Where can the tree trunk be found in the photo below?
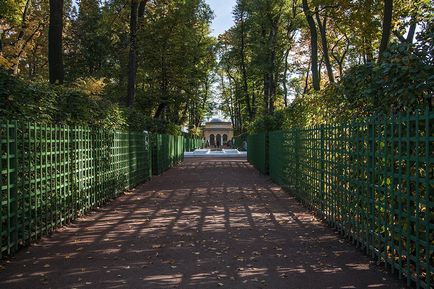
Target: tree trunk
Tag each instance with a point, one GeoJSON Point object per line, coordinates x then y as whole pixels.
{"type": "Point", "coordinates": [132, 58]}
{"type": "Point", "coordinates": [23, 21]}
{"type": "Point", "coordinates": [411, 32]}
{"type": "Point", "coordinates": [340, 59]}
{"type": "Point", "coordinates": [285, 76]}
{"type": "Point", "coordinates": [410, 36]}
{"type": "Point", "coordinates": [387, 27]}
{"type": "Point", "coordinates": [325, 50]}
{"type": "Point", "coordinates": [266, 92]}
{"type": "Point", "coordinates": [55, 47]}
{"type": "Point", "coordinates": [1, 44]}
{"type": "Point", "coordinates": [141, 12]}
{"type": "Point", "coordinates": [160, 110]}
{"type": "Point", "coordinates": [20, 37]}
{"type": "Point", "coordinates": [368, 39]}
{"type": "Point", "coordinates": [23, 48]}
{"type": "Point", "coordinates": [306, 82]}
{"type": "Point", "coordinates": [313, 46]}
{"type": "Point", "coordinates": [272, 65]}
{"type": "Point", "coordinates": [244, 70]}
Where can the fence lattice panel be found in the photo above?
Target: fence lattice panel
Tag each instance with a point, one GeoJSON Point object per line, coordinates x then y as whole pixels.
{"type": "Point", "coordinates": [373, 181]}
{"type": "Point", "coordinates": [52, 174]}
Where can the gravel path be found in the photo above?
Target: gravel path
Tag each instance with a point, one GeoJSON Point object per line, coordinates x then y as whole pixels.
{"type": "Point", "coordinates": [209, 223]}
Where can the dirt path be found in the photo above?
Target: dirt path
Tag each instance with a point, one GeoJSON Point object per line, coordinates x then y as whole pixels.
{"type": "Point", "coordinates": [210, 223]}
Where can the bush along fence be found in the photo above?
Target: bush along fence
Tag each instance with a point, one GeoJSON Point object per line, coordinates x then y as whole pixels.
{"type": "Point", "coordinates": [50, 174]}
{"type": "Point", "coordinates": [373, 181]}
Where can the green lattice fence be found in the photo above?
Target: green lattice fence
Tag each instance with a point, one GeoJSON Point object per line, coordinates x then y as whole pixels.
{"type": "Point", "coordinates": [51, 174]}
{"type": "Point", "coordinates": [257, 151]}
{"type": "Point", "coordinates": [190, 144]}
{"type": "Point", "coordinates": [373, 181]}
{"type": "Point", "coordinates": [167, 151]}
{"type": "Point", "coordinates": [277, 159]}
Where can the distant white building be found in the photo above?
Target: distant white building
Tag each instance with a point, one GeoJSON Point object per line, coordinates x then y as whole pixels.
{"type": "Point", "coordinates": [218, 133]}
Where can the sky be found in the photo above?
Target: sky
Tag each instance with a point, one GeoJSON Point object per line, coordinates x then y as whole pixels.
{"type": "Point", "coordinates": [222, 15]}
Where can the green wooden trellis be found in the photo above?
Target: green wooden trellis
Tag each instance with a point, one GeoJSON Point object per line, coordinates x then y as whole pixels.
{"type": "Point", "coordinates": [50, 174]}
{"type": "Point", "coordinates": [167, 152]}
{"type": "Point", "coordinates": [257, 151]}
{"type": "Point", "coordinates": [373, 181]}
{"type": "Point", "coordinates": [190, 144]}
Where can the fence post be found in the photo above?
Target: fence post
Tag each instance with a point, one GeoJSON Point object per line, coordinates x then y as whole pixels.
{"type": "Point", "coordinates": [322, 167]}
{"type": "Point", "coordinates": [266, 153]}
{"type": "Point", "coordinates": [11, 187]}
{"type": "Point", "coordinates": [371, 161]}
{"type": "Point", "coordinates": [429, 190]}
{"type": "Point", "coordinates": [297, 158]}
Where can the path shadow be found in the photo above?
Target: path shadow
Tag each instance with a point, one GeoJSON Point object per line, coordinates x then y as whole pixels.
{"type": "Point", "coordinates": [210, 223]}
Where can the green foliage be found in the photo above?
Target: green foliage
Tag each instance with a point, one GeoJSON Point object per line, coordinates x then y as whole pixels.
{"type": "Point", "coordinates": [273, 39]}
{"type": "Point", "coordinates": [195, 132]}
{"type": "Point", "coordinates": [175, 56]}
{"type": "Point", "coordinates": [306, 110]}
{"type": "Point", "coordinates": [402, 82]}
{"type": "Point", "coordinates": [19, 100]}
{"type": "Point", "coordinates": [89, 42]}
{"type": "Point", "coordinates": [82, 104]}
{"type": "Point", "coordinates": [263, 63]}
{"type": "Point", "coordinates": [269, 122]}
{"type": "Point", "coordinates": [11, 10]}
{"type": "Point", "coordinates": [252, 59]}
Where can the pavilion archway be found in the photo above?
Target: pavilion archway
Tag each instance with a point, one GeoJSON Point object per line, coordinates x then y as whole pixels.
{"type": "Point", "coordinates": [212, 140]}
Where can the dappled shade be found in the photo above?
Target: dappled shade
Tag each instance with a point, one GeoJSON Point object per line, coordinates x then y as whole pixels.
{"type": "Point", "coordinates": [205, 223]}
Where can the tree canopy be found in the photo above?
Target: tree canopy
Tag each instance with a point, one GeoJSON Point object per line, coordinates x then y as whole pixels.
{"type": "Point", "coordinates": [307, 62]}
{"type": "Point", "coordinates": [172, 50]}
{"type": "Point", "coordinates": [152, 64]}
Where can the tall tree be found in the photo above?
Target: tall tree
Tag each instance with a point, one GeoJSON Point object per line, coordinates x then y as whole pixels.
{"type": "Point", "coordinates": [89, 53]}
{"type": "Point", "coordinates": [132, 58]}
{"type": "Point", "coordinates": [322, 26]}
{"type": "Point", "coordinates": [387, 27]}
{"type": "Point", "coordinates": [240, 16]}
{"type": "Point", "coordinates": [313, 46]}
{"type": "Point", "coordinates": [55, 47]}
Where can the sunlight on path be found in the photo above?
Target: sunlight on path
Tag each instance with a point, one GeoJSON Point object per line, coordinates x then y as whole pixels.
{"type": "Point", "coordinates": [210, 223]}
